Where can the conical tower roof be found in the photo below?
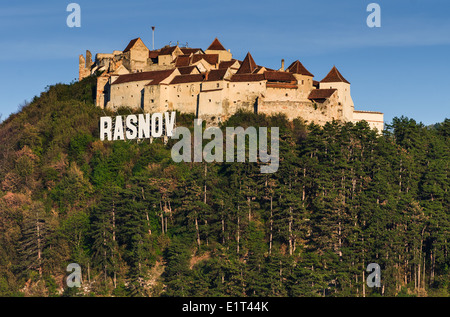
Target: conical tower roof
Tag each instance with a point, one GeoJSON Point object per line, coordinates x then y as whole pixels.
{"type": "Point", "coordinates": [298, 68]}
{"type": "Point", "coordinates": [334, 76]}
{"type": "Point", "coordinates": [216, 46]}
{"type": "Point", "coordinates": [248, 66]}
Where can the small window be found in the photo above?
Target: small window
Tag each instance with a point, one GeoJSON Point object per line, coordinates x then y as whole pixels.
{"type": "Point", "coordinates": [218, 85]}
{"type": "Point", "coordinates": [153, 100]}
{"type": "Point", "coordinates": [209, 100]}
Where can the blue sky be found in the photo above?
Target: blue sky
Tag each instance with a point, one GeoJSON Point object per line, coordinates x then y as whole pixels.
{"type": "Point", "coordinates": [401, 68]}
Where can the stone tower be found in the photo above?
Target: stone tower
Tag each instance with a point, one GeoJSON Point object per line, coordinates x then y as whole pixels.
{"type": "Point", "coordinates": [84, 67]}
{"type": "Point", "coordinates": [335, 80]}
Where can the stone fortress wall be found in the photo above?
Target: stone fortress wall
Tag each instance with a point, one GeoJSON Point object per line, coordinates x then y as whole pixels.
{"type": "Point", "coordinates": [213, 85]}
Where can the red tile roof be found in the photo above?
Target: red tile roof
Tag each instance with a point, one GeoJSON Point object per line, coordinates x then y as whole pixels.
{"type": "Point", "coordinates": [157, 76]}
{"type": "Point", "coordinates": [216, 46]}
{"type": "Point", "coordinates": [212, 59]}
{"type": "Point", "coordinates": [247, 77]}
{"type": "Point", "coordinates": [321, 93]}
{"type": "Point", "coordinates": [248, 65]}
{"type": "Point", "coordinates": [227, 64]}
{"type": "Point", "coordinates": [186, 70]}
{"type": "Point", "coordinates": [153, 54]}
{"type": "Point", "coordinates": [183, 60]}
{"type": "Point", "coordinates": [167, 50]}
{"type": "Point", "coordinates": [188, 50]}
{"type": "Point", "coordinates": [334, 76]}
{"type": "Point", "coordinates": [298, 68]}
{"type": "Point", "coordinates": [130, 45]}
{"type": "Point", "coordinates": [181, 79]}
{"type": "Point", "coordinates": [216, 74]}
{"type": "Point", "coordinates": [258, 69]}
{"type": "Point", "coordinates": [279, 76]}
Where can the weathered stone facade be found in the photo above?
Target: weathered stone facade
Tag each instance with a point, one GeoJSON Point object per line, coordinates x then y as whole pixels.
{"type": "Point", "coordinates": [213, 85]}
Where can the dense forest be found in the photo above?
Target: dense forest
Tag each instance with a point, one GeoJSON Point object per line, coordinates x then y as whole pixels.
{"type": "Point", "coordinates": [140, 224]}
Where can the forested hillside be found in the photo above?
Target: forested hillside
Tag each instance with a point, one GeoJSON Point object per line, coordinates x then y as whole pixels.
{"type": "Point", "coordinates": [139, 224]}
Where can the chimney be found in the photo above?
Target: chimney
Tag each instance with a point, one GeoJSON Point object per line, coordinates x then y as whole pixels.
{"type": "Point", "coordinates": [282, 65]}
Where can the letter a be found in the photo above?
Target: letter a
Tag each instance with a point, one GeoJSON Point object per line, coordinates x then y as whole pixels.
{"type": "Point", "coordinates": [74, 19]}
{"type": "Point", "coordinates": [373, 279]}
{"type": "Point", "coordinates": [74, 279]}
{"type": "Point", "coordinates": [184, 145]}
{"type": "Point", "coordinates": [374, 19]}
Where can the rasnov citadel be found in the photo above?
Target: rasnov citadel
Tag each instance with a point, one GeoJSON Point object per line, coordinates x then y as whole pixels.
{"type": "Point", "coordinates": [214, 85]}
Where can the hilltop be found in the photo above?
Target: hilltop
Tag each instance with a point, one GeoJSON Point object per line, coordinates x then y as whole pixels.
{"type": "Point", "coordinates": [139, 224]}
